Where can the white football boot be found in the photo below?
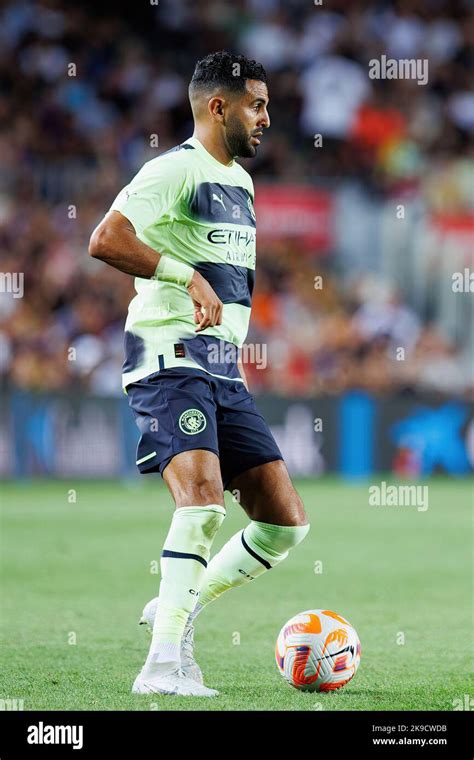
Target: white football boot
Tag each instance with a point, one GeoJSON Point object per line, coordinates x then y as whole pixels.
{"type": "Point", "coordinates": [171, 681]}
{"type": "Point", "coordinates": [189, 665]}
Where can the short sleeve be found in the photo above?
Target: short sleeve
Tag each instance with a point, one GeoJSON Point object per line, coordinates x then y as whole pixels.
{"type": "Point", "coordinates": [152, 193]}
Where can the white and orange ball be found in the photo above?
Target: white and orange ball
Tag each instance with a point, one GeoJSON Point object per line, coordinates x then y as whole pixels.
{"type": "Point", "coordinates": [317, 650]}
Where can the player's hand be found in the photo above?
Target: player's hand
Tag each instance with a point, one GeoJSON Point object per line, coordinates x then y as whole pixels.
{"type": "Point", "coordinates": [207, 306]}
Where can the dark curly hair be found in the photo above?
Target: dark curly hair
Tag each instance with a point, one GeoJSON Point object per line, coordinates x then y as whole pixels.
{"type": "Point", "coordinates": [227, 70]}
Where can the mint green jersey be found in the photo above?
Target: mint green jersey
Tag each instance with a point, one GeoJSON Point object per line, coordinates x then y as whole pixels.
{"type": "Point", "coordinates": [187, 205]}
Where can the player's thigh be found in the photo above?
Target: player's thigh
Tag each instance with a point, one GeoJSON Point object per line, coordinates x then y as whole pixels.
{"type": "Point", "coordinates": [267, 494]}
{"type": "Point", "coordinates": [175, 412]}
{"type": "Point", "coordinates": [251, 461]}
{"type": "Point", "coordinates": [194, 478]}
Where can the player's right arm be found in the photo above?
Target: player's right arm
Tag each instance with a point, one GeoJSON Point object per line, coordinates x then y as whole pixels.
{"type": "Point", "coordinates": [115, 241]}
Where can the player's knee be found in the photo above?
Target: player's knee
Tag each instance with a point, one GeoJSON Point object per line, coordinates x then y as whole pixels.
{"type": "Point", "coordinates": [294, 535]}
{"type": "Point", "coordinates": [200, 492]}
{"type": "Point", "coordinates": [214, 515]}
{"type": "Point", "coordinates": [209, 492]}
{"type": "Point", "coordinates": [277, 540]}
{"type": "Point", "coordinates": [193, 529]}
{"type": "Point", "coordinates": [298, 516]}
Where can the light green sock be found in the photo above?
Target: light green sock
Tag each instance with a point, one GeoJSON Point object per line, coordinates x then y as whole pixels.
{"type": "Point", "coordinates": [246, 556]}
{"type": "Point", "coordinates": [183, 564]}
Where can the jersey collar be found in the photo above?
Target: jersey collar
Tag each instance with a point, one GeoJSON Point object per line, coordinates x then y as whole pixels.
{"type": "Point", "coordinates": [205, 153]}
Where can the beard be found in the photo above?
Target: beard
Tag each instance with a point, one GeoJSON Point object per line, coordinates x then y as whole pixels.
{"type": "Point", "coordinates": [238, 139]}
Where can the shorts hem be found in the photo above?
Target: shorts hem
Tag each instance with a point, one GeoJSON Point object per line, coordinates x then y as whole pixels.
{"type": "Point", "coordinates": [161, 466]}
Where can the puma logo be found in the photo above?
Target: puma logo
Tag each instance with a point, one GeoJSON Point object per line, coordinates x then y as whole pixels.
{"type": "Point", "coordinates": [215, 197]}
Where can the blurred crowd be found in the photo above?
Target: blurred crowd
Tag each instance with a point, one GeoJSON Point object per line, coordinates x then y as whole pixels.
{"type": "Point", "coordinates": [324, 338]}
{"type": "Point", "coordinates": [84, 98]}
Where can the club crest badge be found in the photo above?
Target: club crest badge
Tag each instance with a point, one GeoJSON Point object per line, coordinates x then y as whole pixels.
{"type": "Point", "coordinates": [192, 421]}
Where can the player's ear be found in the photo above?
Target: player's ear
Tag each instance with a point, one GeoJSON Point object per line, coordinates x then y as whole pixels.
{"type": "Point", "coordinates": [216, 108]}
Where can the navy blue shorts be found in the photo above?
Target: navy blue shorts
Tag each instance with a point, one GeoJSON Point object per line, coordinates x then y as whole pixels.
{"type": "Point", "coordinates": [182, 409]}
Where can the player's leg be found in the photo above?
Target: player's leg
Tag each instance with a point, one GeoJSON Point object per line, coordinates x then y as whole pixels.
{"type": "Point", "coordinates": [253, 470]}
{"type": "Point", "coordinates": [194, 480]}
{"type": "Point", "coordinates": [175, 413]}
{"type": "Point", "coordinates": [278, 523]}
{"type": "Point", "coordinates": [267, 493]}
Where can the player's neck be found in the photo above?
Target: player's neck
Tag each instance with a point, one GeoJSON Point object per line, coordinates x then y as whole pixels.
{"type": "Point", "coordinates": [213, 146]}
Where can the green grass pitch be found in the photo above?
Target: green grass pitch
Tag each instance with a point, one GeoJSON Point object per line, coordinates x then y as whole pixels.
{"type": "Point", "coordinates": [75, 576]}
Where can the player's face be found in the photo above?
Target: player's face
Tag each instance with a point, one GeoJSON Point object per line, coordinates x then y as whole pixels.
{"type": "Point", "coordinates": [247, 118]}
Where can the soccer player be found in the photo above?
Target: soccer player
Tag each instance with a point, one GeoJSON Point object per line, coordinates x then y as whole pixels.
{"type": "Point", "coordinates": [185, 228]}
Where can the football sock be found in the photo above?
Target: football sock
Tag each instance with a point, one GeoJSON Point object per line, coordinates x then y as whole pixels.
{"type": "Point", "coordinates": [248, 554]}
{"type": "Point", "coordinates": [183, 563]}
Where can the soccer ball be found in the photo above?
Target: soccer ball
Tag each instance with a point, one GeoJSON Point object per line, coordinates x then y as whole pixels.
{"type": "Point", "coordinates": [317, 650]}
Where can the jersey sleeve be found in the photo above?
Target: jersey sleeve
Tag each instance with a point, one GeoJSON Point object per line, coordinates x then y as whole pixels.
{"type": "Point", "coordinates": [152, 193]}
